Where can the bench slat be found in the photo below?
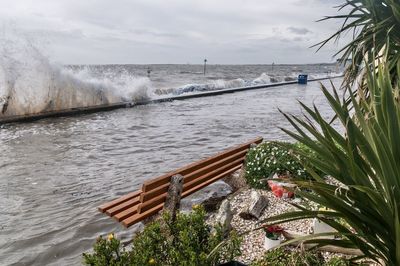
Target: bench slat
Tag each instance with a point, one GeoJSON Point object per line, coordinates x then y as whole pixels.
{"type": "Point", "coordinates": [126, 213]}
{"type": "Point", "coordinates": [123, 206]}
{"type": "Point", "coordinates": [119, 200]}
{"type": "Point", "coordinates": [141, 216]}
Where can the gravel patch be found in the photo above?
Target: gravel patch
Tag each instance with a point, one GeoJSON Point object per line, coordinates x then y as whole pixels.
{"type": "Point", "coordinates": [253, 243]}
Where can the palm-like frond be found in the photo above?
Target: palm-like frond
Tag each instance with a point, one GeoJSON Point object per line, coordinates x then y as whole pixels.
{"type": "Point", "coordinates": [375, 26]}
{"type": "Point", "coordinates": [366, 161]}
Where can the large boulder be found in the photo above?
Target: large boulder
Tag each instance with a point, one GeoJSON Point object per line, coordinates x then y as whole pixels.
{"type": "Point", "coordinates": [255, 206]}
{"type": "Point", "coordinates": [224, 216]}
{"type": "Point", "coordinates": [210, 197]}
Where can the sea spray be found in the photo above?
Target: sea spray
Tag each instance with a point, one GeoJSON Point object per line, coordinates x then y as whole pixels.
{"type": "Point", "coordinates": [219, 84]}
{"type": "Point", "coordinates": [31, 84]}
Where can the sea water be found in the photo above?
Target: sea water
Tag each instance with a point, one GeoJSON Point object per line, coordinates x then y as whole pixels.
{"type": "Point", "coordinates": [55, 172]}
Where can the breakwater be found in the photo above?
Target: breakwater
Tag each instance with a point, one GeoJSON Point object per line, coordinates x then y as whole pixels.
{"type": "Point", "coordinates": [127, 104]}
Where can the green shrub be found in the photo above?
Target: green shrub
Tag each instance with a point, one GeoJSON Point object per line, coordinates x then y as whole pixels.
{"type": "Point", "coordinates": [284, 257]}
{"type": "Point", "coordinates": [107, 252]}
{"type": "Point", "coordinates": [273, 157]}
{"type": "Point", "coordinates": [338, 261]}
{"type": "Point", "coordinates": [187, 241]}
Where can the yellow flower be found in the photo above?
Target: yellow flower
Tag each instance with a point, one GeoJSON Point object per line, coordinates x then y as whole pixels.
{"type": "Point", "coordinates": [110, 237]}
{"type": "Point", "coordinates": [195, 206]}
{"type": "Point", "coordinates": [152, 261]}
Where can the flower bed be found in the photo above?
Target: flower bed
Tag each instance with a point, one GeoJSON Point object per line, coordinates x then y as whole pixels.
{"type": "Point", "coordinates": [271, 158]}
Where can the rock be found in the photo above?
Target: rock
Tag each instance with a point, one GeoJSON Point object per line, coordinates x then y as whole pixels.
{"type": "Point", "coordinates": [210, 197]}
{"type": "Point", "coordinates": [256, 205]}
{"type": "Point", "coordinates": [236, 180]}
{"type": "Point", "coordinates": [224, 216]}
{"type": "Point", "coordinates": [211, 204]}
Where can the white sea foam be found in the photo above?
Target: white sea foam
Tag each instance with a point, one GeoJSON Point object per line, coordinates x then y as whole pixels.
{"type": "Point", "coordinates": [262, 79]}
{"type": "Point", "coordinates": [30, 83]}
{"type": "Point", "coordinates": [226, 84]}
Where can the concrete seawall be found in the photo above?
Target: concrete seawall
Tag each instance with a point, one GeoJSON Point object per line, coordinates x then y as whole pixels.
{"type": "Point", "coordinates": [109, 107]}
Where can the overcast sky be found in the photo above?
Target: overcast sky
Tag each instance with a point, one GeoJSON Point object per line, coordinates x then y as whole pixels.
{"type": "Point", "coordinates": [175, 31]}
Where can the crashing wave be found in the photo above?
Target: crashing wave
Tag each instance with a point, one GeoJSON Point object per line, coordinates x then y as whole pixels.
{"type": "Point", "coordinates": [30, 83]}
{"type": "Point", "coordinates": [219, 84]}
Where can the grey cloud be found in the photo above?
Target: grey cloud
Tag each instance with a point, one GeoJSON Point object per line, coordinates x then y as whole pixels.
{"type": "Point", "coordinates": [176, 31]}
{"type": "Point", "coordinates": [56, 34]}
{"type": "Point", "coordinates": [155, 33]}
{"type": "Point", "coordinates": [299, 31]}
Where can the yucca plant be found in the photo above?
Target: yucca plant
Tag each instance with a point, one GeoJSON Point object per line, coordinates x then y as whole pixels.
{"type": "Point", "coordinates": [365, 161]}
{"type": "Point", "coordinates": [375, 26]}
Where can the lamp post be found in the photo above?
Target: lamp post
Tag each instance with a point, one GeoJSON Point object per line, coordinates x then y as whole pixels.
{"type": "Point", "coordinates": [205, 63]}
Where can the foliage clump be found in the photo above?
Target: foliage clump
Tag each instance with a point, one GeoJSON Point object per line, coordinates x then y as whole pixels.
{"type": "Point", "coordinates": [186, 241]}
{"type": "Point", "coordinates": [273, 157]}
{"type": "Point", "coordinates": [286, 257]}
{"type": "Point", "coordinates": [363, 162]}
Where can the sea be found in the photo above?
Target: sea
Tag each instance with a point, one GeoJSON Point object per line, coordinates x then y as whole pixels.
{"type": "Point", "coordinates": [55, 172]}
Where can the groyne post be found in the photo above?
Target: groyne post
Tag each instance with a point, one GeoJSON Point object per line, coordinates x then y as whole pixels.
{"type": "Point", "coordinates": [148, 72]}
{"type": "Point", "coordinates": [173, 199]}
{"type": "Point", "coordinates": [205, 64]}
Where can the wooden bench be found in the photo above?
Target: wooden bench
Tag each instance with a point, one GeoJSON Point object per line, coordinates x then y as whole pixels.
{"type": "Point", "coordinates": [149, 200]}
